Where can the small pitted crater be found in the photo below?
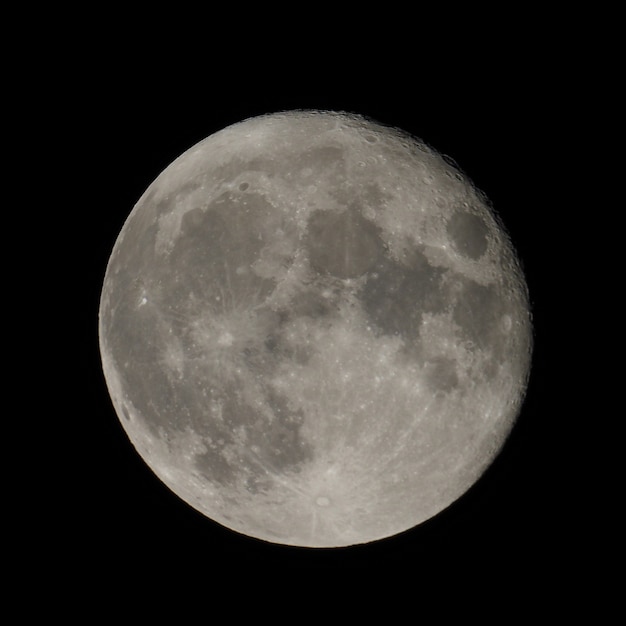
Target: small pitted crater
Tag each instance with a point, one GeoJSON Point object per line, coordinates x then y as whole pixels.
{"type": "Point", "coordinates": [322, 501]}
{"type": "Point", "coordinates": [343, 244]}
{"type": "Point", "coordinates": [468, 233]}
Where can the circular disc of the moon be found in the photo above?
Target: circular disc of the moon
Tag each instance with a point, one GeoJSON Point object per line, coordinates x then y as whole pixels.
{"type": "Point", "coordinates": [314, 329]}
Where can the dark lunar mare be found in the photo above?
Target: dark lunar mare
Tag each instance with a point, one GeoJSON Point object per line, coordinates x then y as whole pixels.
{"type": "Point", "coordinates": [396, 295]}
{"type": "Point", "coordinates": [206, 273]}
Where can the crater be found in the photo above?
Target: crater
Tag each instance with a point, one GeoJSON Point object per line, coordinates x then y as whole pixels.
{"type": "Point", "coordinates": [468, 233]}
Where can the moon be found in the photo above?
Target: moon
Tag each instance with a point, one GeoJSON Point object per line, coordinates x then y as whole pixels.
{"type": "Point", "coordinates": [315, 330]}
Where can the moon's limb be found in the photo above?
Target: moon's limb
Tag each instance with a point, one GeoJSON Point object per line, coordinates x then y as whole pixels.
{"type": "Point", "coordinates": [314, 329]}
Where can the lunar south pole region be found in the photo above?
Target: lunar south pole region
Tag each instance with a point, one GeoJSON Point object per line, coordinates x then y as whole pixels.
{"type": "Point", "coordinates": [315, 330]}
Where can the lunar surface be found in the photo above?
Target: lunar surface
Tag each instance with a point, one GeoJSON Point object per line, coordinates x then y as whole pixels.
{"type": "Point", "coordinates": [315, 330]}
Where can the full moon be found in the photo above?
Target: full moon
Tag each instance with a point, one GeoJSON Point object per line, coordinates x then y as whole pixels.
{"type": "Point", "coordinates": [315, 330]}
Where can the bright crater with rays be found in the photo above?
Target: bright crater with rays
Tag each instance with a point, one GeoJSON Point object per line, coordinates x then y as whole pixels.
{"type": "Point", "coordinates": [314, 329]}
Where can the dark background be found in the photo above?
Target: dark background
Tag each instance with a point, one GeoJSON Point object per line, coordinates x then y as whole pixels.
{"type": "Point", "coordinates": [499, 112]}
